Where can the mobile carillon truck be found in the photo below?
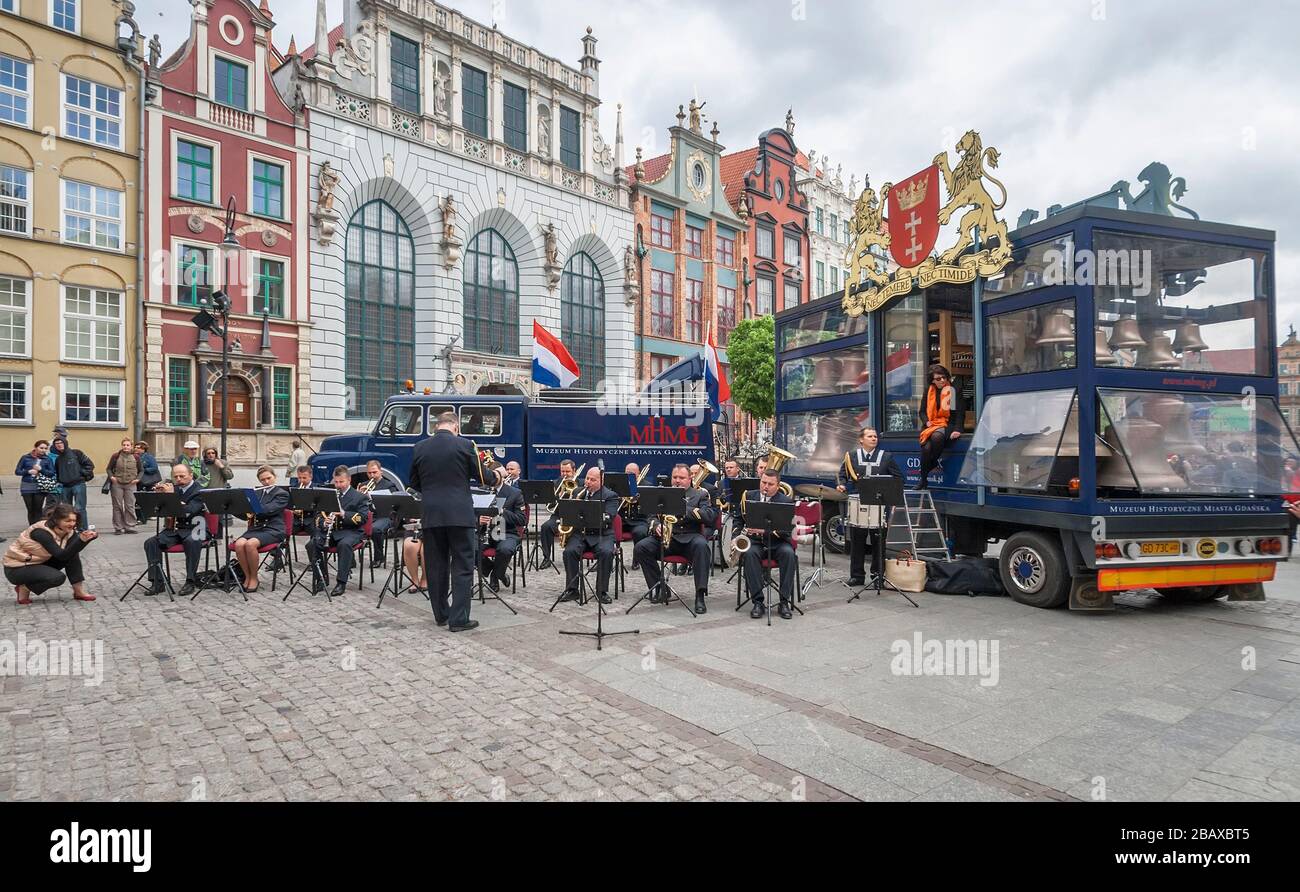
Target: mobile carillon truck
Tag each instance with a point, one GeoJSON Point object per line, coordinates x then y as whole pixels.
{"type": "Point", "coordinates": [1118, 388]}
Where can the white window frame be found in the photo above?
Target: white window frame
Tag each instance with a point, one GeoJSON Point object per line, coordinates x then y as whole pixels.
{"type": "Point", "coordinates": [77, 27]}
{"type": "Point", "coordinates": [26, 203]}
{"type": "Point", "coordinates": [246, 64]}
{"type": "Point", "coordinates": [27, 319]}
{"type": "Point", "coordinates": [26, 94]}
{"type": "Point", "coordinates": [177, 138]}
{"type": "Point", "coordinates": [17, 6]}
{"type": "Point", "coordinates": [26, 420]}
{"type": "Point", "coordinates": [760, 231]}
{"type": "Point", "coordinates": [97, 320]}
{"type": "Point", "coordinates": [93, 217]}
{"type": "Point", "coordinates": [215, 271]}
{"type": "Point", "coordinates": [255, 259]}
{"type": "Point", "coordinates": [64, 107]}
{"type": "Point", "coordinates": [758, 296]}
{"type": "Point", "coordinates": [286, 206]}
{"type": "Point", "coordinates": [94, 392]}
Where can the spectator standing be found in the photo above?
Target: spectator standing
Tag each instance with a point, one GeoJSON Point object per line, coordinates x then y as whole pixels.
{"type": "Point", "coordinates": [74, 470]}
{"type": "Point", "coordinates": [190, 457]}
{"type": "Point", "coordinates": [32, 467]}
{"type": "Point", "coordinates": [150, 474]}
{"type": "Point", "coordinates": [219, 473]}
{"type": "Point", "coordinates": [296, 460]}
{"type": "Point", "coordinates": [123, 475]}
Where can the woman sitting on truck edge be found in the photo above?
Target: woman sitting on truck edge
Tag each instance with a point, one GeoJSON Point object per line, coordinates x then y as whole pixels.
{"type": "Point", "coordinates": [940, 429]}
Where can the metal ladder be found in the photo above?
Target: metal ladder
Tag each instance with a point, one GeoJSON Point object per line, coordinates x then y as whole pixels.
{"type": "Point", "coordinates": [918, 528]}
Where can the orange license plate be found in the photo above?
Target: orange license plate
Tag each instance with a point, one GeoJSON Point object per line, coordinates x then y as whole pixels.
{"type": "Point", "coordinates": [1161, 549]}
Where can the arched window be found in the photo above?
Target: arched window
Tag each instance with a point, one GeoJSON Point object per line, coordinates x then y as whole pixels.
{"type": "Point", "coordinates": [582, 318]}
{"type": "Point", "coordinates": [491, 295]}
{"type": "Point", "coordinates": [380, 308]}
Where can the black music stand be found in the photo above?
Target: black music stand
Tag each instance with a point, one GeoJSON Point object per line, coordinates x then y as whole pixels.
{"type": "Point", "coordinates": [886, 493]}
{"type": "Point", "coordinates": [537, 493]}
{"type": "Point", "coordinates": [771, 518]}
{"type": "Point", "coordinates": [226, 504]}
{"type": "Point", "coordinates": [739, 486]}
{"type": "Point", "coordinates": [586, 518]}
{"type": "Point", "coordinates": [157, 505]}
{"type": "Point", "coordinates": [661, 501]}
{"type": "Point", "coordinates": [400, 509]}
{"type": "Point", "coordinates": [619, 484]}
{"type": "Point", "coordinates": [487, 505]}
{"type": "Point", "coordinates": [311, 502]}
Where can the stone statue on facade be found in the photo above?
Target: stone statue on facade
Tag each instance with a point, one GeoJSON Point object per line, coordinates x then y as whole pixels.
{"type": "Point", "coordinates": [552, 250]}
{"type": "Point", "coordinates": [789, 121]}
{"type": "Point", "coordinates": [450, 241]}
{"type": "Point", "coordinates": [442, 94]}
{"type": "Point", "coordinates": [695, 109]}
{"type": "Point", "coordinates": [328, 180]}
{"type": "Point", "coordinates": [544, 131]}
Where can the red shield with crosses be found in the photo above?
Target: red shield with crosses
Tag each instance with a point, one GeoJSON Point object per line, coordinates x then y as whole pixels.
{"type": "Point", "coordinates": [914, 217]}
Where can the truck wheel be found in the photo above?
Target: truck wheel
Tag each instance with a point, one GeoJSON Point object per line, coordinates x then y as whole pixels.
{"type": "Point", "coordinates": [1033, 571]}
{"type": "Point", "coordinates": [835, 534]}
{"type": "Point", "coordinates": [1194, 595]}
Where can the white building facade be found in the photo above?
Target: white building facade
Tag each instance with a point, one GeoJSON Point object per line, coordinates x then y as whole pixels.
{"type": "Point", "coordinates": [830, 215]}
{"type": "Point", "coordinates": [460, 190]}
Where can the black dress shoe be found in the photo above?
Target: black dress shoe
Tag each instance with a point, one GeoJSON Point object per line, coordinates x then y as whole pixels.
{"type": "Point", "coordinates": [468, 627]}
{"type": "Point", "coordinates": [757, 611]}
{"type": "Point", "coordinates": [857, 582]}
{"type": "Point", "coordinates": [153, 591]}
{"type": "Point", "coordinates": [784, 610]}
{"type": "Point", "coordinates": [571, 596]}
{"type": "Point", "coordinates": [441, 622]}
{"type": "Point", "coordinates": [604, 598]}
{"type": "Point", "coordinates": [339, 590]}
{"type": "Point", "coordinates": [189, 589]}
{"type": "Point", "coordinates": [700, 606]}
{"type": "Point", "coordinates": [493, 587]}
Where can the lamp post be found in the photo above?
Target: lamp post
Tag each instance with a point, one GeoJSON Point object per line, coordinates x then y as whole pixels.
{"type": "Point", "coordinates": [215, 318]}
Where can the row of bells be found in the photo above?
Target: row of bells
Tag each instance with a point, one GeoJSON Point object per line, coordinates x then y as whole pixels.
{"type": "Point", "coordinates": [833, 375]}
{"type": "Point", "coordinates": [1159, 353]}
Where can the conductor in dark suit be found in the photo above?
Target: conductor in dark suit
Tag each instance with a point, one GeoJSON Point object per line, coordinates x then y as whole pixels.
{"type": "Point", "coordinates": [781, 550]}
{"type": "Point", "coordinates": [441, 471]}
{"type": "Point", "coordinates": [600, 544]}
{"type": "Point", "coordinates": [190, 532]}
{"type": "Point", "coordinates": [513, 520]}
{"type": "Point", "coordinates": [690, 539]}
{"type": "Point", "coordinates": [868, 460]}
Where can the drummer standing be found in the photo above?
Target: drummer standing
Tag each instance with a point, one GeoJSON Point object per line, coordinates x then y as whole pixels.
{"type": "Point", "coordinates": [868, 460]}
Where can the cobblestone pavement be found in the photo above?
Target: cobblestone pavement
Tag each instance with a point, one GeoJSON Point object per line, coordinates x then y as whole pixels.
{"type": "Point", "coordinates": [222, 700]}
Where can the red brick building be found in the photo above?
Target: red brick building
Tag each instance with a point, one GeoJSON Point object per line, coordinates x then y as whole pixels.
{"type": "Point", "coordinates": [217, 127]}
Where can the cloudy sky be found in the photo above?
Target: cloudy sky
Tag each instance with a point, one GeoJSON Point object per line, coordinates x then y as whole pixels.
{"type": "Point", "coordinates": [1076, 94]}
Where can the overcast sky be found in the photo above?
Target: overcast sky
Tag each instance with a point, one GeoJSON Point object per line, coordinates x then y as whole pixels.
{"type": "Point", "coordinates": [1075, 94]}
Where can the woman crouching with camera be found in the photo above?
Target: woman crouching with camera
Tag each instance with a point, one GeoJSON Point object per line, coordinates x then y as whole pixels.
{"type": "Point", "coordinates": [43, 553]}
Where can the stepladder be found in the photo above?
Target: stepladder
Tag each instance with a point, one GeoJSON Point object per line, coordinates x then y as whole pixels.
{"type": "Point", "coordinates": [918, 529]}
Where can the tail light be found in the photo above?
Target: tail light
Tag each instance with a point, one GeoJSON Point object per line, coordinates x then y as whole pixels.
{"type": "Point", "coordinates": [1074, 485]}
{"type": "Point", "coordinates": [1107, 550]}
{"type": "Point", "coordinates": [1269, 546]}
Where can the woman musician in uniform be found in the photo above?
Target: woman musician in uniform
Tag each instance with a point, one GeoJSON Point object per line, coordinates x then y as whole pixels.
{"type": "Point", "coordinates": [264, 529]}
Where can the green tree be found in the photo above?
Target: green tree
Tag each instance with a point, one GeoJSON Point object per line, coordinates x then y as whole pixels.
{"type": "Point", "coordinates": [751, 351]}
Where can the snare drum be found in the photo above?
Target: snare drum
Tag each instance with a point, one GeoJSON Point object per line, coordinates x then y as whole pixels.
{"type": "Point", "coordinates": [863, 516]}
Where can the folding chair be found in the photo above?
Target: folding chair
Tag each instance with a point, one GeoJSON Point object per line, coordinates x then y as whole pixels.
{"type": "Point", "coordinates": [266, 551]}
{"type": "Point", "coordinates": [209, 547]}
{"type": "Point", "coordinates": [588, 562]}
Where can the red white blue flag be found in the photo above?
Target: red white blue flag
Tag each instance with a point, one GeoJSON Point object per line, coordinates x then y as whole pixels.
{"type": "Point", "coordinates": [715, 378]}
{"type": "Point", "coordinates": [553, 366]}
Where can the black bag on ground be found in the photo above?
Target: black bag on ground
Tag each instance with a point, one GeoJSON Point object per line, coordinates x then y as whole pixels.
{"type": "Point", "coordinates": [970, 576]}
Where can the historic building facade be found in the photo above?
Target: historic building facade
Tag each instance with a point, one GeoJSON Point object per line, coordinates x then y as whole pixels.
{"type": "Point", "coordinates": [461, 189]}
{"type": "Point", "coordinates": [830, 215]}
{"type": "Point", "coordinates": [218, 129]}
{"type": "Point", "coordinates": [1288, 356]}
{"type": "Point", "coordinates": [691, 244]}
{"type": "Point", "coordinates": [69, 239]}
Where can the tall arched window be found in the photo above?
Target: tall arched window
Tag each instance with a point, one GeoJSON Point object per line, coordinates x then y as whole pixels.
{"type": "Point", "coordinates": [491, 295]}
{"type": "Point", "coordinates": [380, 308]}
{"type": "Point", "coordinates": [582, 318]}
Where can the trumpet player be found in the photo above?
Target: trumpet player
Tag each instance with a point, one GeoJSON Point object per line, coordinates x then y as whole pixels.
{"type": "Point", "coordinates": [377, 483]}
{"type": "Point", "coordinates": [512, 515]}
{"type": "Point", "coordinates": [781, 550]}
{"type": "Point", "coordinates": [568, 474]}
{"type": "Point", "coordinates": [690, 539]}
{"type": "Point", "coordinates": [514, 474]}
{"type": "Point", "coordinates": [264, 528]}
{"type": "Point", "coordinates": [868, 460]}
{"type": "Point", "coordinates": [602, 544]}
{"type": "Point", "coordinates": [343, 529]}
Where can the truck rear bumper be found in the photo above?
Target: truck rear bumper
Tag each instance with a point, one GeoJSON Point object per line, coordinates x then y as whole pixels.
{"type": "Point", "coordinates": [1120, 579]}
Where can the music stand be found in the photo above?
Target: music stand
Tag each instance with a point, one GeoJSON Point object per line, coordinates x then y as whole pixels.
{"type": "Point", "coordinates": [586, 517]}
{"type": "Point", "coordinates": [771, 518]}
{"type": "Point", "coordinates": [226, 503]}
{"type": "Point", "coordinates": [157, 505]}
{"type": "Point", "coordinates": [739, 486]}
{"type": "Point", "coordinates": [661, 501]}
{"type": "Point", "coordinates": [400, 508]}
{"type": "Point", "coordinates": [886, 493]}
{"type": "Point", "coordinates": [537, 493]}
{"type": "Point", "coordinates": [310, 502]}
{"type": "Point", "coordinates": [487, 505]}
{"type": "Point", "coordinates": [619, 485]}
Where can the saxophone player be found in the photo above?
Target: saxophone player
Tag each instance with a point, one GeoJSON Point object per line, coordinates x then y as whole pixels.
{"type": "Point", "coordinates": [568, 473]}
{"type": "Point", "coordinates": [781, 550]}
{"type": "Point", "coordinates": [690, 539]}
{"type": "Point", "coordinates": [346, 530]}
{"type": "Point", "coordinates": [376, 482]}
{"type": "Point", "coordinates": [264, 528]}
{"type": "Point", "coordinates": [602, 544]}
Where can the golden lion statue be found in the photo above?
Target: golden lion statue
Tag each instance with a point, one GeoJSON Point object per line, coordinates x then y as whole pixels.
{"type": "Point", "coordinates": [965, 186]}
{"type": "Point", "coordinates": [868, 231]}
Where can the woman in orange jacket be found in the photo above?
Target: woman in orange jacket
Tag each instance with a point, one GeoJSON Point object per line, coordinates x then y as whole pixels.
{"type": "Point", "coordinates": [940, 427]}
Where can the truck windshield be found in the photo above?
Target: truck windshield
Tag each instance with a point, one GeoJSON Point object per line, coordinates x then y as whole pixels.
{"type": "Point", "coordinates": [1195, 444]}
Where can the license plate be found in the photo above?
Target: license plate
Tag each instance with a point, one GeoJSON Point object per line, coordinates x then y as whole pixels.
{"type": "Point", "coordinates": [1161, 549]}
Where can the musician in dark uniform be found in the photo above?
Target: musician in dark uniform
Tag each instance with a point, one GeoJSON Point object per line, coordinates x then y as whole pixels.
{"type": "Point", "coordinates": [302, 525]}
{"type": "Point", "coordinates": [441, 471]}
{"type": "Point", "coordinates": [264, 528]}
{"type": "Point", "coordinates": [868, 460]}
{"type": "Point", "coordinates": [690, 540]}
{"type": "Point", "coordinates": [512, 513]}
{"type": "Point", "coordinates": [602, 544]}
{"type": "Point", "coordinates": [514, 474]}
{"type": "Point", "coordinates": [568, 471]}
{"type": "Point", "coordinates": [190, 532]}
{"type": "Point", "coordinates": [376, 482]}
{"type": "Point", "coordinates": [349, 528]}
{"type": "Point", "coordinates": [781, 550]}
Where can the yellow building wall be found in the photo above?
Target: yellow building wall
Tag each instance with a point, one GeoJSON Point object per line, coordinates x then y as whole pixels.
{"type": "Point", "coordinates": [41, 258]}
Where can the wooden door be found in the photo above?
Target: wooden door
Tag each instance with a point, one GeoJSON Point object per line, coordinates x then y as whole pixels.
{"type": "Point", "coordinates": [239, 406]}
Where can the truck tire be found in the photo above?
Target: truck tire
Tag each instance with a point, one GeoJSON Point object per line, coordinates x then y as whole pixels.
{"type": "Point", "coordinates": [1034, 572]}
{"type": "Point", "coordinates": [835, 534]}
{"type": "Point", "coordinates": [1195, 595]}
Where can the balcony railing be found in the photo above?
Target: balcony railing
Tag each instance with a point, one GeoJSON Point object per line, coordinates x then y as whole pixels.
{"type": "Point", "coordinates": [225, 116]}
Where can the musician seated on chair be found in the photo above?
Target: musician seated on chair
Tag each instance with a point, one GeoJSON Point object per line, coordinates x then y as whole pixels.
{"type": "Point", "coordinates": [265, 528]}
{"type": "Point", "coordinates": [190, 532]}
{"type": "Point", "coordinates": [302, 524]}
{"type": "Point", "coordinates": [376, 482]}
{"type": "Point", "coordinates": [868, 460]}
{"type": "Point", "coordinates": [600, 544]}
{"type": "Point", "coordinates": [512, 521]}
{"type": "Point", "coordinates": [781, 549]}
{"type": "Point", "coordinates": [346, 530]}
{"type": "Point", "coordinates": [568, 471]}
{"type": "Point", "coordinates": [690, 539]}
{"type": "Point", "coordinates": [514, 473]}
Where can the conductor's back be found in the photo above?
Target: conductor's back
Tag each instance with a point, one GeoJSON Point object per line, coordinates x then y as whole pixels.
{"type": "Point", "coordinates": [442, 469]}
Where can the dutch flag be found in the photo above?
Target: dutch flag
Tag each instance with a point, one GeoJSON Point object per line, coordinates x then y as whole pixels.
{"type": "Point", "coordinates": [715, 379]}
{"type": "Point", "coordinates": [552, 364]}
{"type": "Point", "coordinates": [898, 373]}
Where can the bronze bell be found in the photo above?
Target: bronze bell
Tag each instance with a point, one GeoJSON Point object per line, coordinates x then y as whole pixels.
{"type": "Point", "coordinates": [826, 372]}
{"type": "Point", "coordinates": [1058, 329]}
{"type": "Point", "coordinates": [852, 373]}
{"type": "Point", "coordinates": [1174, 415]}
{"type": "Point", "coordinates": [1104, 355]}
{"type": "Point", "coordinates": [1159, 355]}
{"type": "Point", "coordinates": [1126, 335]}
{"type": "Point", "coordinates": [1144, 443]}
{"type": "Point", "coordinates": [1053, 443]}
{"type": "Point", "coordinates": [832, 443]}
{"type": "Point", "coordinates": [1188, 339]}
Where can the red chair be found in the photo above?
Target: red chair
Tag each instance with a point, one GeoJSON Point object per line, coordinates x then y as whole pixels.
{"type": "Point", "coordinates": [209, 547]}
{"type": "Point", "coordinates": [768, 566]}
{"type": "Point", "coordinates": [282, 550]}
{"type": "Point", "coordinates": [359, 564]}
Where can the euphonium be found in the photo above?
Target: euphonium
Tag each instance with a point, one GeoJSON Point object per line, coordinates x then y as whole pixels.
{"type": "Point", "coordinates": [706, 470]}
{"type": "Point", "coordinates": [777, 459]}
{"type": "Point", "coordinates": [739, 546]}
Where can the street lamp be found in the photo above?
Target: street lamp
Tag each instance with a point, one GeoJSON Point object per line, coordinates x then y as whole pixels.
{"type": "Point", "coordinates": [215, 318]}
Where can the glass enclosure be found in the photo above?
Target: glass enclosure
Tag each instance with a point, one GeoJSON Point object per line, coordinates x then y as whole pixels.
{"type": "Point", "coordinates": [1039, 339]}
{"type": "Point", "coordinates": [1178, 304]}
{"type": "Point", "coordinates": [1035, 266]}
{"type": "Point", "coordinates": [828, 374]}
{"type": "Point", "coordinates": [1019, 439]}
{"type": "Point", "coordinates": [820, 439]}
{"type": "Point", "coordinates": [816, 328]}
{"type": "Point", "coordinates": [906, 360]}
